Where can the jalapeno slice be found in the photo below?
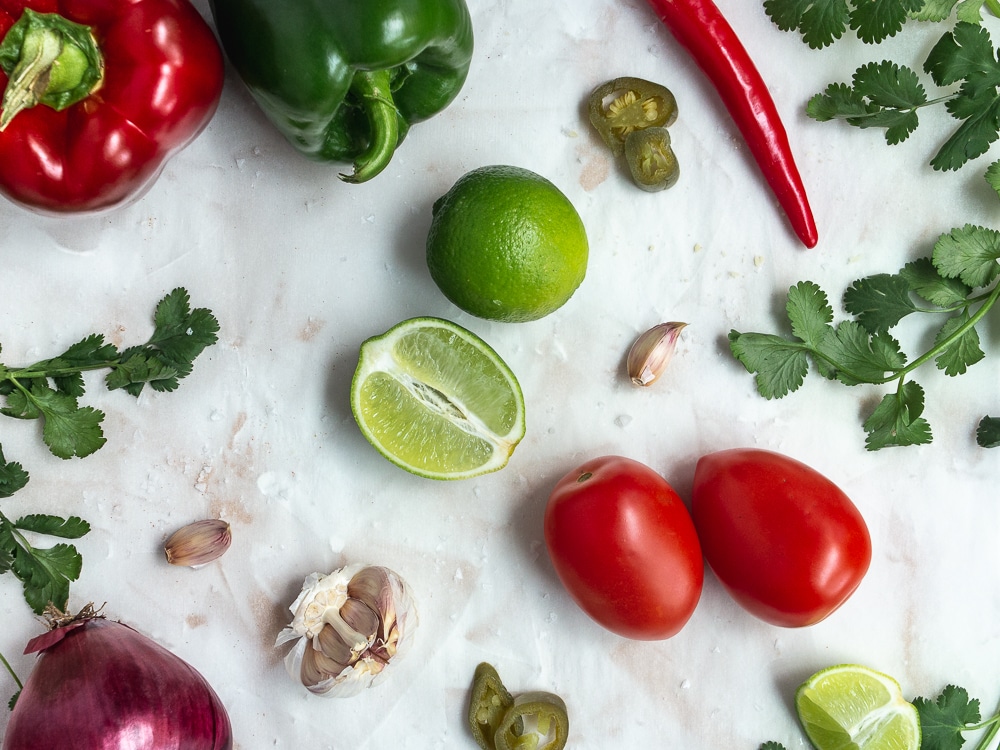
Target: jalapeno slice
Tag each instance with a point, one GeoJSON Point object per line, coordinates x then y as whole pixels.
{"type": "Point", "coordinates": [626, 105]}
{"type": "Point", "coordinates": [536, 721]}
{"type": "Point", "coordinates": [488, 705]}
{"type": "Point", "coordinates": [651, 160]}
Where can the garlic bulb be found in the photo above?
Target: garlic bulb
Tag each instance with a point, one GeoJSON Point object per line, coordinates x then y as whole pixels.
{"type": "Point", "coordinates": [652, 351]}
{"type": "Point", "coordinates": [348, 626]}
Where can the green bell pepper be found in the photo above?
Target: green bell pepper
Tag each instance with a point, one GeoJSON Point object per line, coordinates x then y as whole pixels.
{"type": "Point", "coordinates": [343, 80]}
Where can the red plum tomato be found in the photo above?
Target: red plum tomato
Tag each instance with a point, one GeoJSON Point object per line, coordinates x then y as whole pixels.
{"type": "Point", "coordinates": [623, 544]}
{"type": "Point", "coordinates": [783, 540]}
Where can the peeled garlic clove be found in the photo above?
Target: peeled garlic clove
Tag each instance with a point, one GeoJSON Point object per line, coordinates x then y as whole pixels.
{"type": "Point", "coordinates": [198, 543]}
{"type": "Point", "coordinates": [652, 351]}
{"type": "Point", "coordinates": [347, 627]}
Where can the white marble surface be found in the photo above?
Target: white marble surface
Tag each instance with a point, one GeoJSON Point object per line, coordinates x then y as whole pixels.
{"type": "Point", "coordinates": [300, 268]}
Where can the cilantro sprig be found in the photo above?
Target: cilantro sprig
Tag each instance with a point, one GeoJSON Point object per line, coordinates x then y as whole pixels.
{"type": "Point", "coordinates": [944, 721]}
{"type": "Point", "coordinates": [45, 572]}
{"type": "Point", "coordinates": [50, 390]}
{"type": "Point", "coordinates": [886, 95]}
{"type": "Point", "coordinates": [822, 22]}
{"type": "Point", "coordinates": [958, 283]}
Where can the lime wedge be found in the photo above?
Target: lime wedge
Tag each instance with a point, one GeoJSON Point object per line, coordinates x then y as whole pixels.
{"type": "Point", "coordinates": [436, 400]}
{"type": "Point", "coordinates": [850, 707]}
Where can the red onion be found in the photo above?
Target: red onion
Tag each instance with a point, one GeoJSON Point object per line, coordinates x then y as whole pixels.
{"type": "Point", "coordinates": [100, 685]}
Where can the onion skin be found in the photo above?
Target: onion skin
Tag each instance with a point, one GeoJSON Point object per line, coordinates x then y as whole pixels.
{"type": "Point", "coordinates": [100, 685]}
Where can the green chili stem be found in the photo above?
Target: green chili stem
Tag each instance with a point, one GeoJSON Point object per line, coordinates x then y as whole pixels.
{"type": "Point", "coordinates": [372, 88]}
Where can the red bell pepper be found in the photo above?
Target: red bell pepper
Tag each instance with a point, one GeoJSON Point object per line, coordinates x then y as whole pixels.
{"type": "Point", "coordinates": [703, 31]}
{"type": "Point", "coordinates": [98, 94]}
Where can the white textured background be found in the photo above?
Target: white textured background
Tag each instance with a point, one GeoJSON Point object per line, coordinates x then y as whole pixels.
{"type": "Point", "coordinates": [300, 269]}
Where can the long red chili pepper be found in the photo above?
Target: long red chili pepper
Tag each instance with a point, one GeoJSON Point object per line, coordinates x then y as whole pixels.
{"type": "Point", "coordinates": [701, 29]}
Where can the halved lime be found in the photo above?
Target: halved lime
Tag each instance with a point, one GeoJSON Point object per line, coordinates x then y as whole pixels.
{"type": "Point", "coordinates": [437, 400]}
{"type": "Point", "coordinates": [851, 707]}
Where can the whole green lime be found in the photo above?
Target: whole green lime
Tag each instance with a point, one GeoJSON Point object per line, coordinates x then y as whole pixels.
{"type": "Point", "coordinates": [506, 244]}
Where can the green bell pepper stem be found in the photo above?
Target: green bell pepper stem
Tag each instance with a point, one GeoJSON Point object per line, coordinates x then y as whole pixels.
{"type": "Point", "coordinates": [49, 60]}
{"type": "Point", "coordinates": [373, 88]}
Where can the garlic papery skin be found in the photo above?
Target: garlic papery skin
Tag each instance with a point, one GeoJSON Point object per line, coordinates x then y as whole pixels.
{"type": "Point", "coordinates": [652, 351]}
{"type": "Point", "coordinates": [198, 543]}
{"type": "Point", "coordinates": [347, 627]}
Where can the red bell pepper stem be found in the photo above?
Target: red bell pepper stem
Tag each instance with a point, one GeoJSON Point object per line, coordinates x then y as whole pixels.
{"type": "Point", "coordinates": [701, 29]}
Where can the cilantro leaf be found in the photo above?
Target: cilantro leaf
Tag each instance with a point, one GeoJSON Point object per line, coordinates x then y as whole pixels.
{"type": "Point", "coordinates": [857, 357]}
{"type": "Point", "coordinates": [46, 574]}
{"type": "Point", "coordinates": [957, 356]}
{"type": "Point", "coordinates": [925, 281]}
{"type": "Point", "coordinates": [780, 365]}
{"type": "Point", "coordinates": [66, 370]}
{"type": "Point", "coordinates": [970, 11]}
{"type": "Point", "coordinates": [988, 432]}
{"type": "Point", "coordinates": [809, 313]}
{"type": "Point", "coordinates": [771, 746]}
{"type": "Point", "coordinates": [969, 253]}
{"type": "Point", "coordinates": [943, 721]}
{"type": "Point", "coordinates": [20, 406]}
{"type": "Point", "coordinates": [886, 85]}
{"type": "Point", "coordinates": [839, 100]}
{"type": "Point", "coordinates": [138, 367]}
{"type": "Point", "coordinates": [181, 333]}
{"type": "Point", "coordinates": [877, 20]}
{"type": "Point", "coordinates": [993, 176]}
{"type": "Point", "coordinates": [13, 477]}
{"type": "Point", "coordinates": [881, 95]}
{"type": "Point", "coordinates": [64, 528]}
{"type": "Point", "coordinates": [879, 302]}
{"type": "Point", "coordinates": [965, 52]}
{"type": "Point", "coordinates": [50, 389]}
{"type": "Point", "coordinates": [821, 22]}
{"type": "Point", "coordinates": [966, 56]}
{"type": "Point", "coordinates": [973, 138]}
{"type": "Point", "coordinates": [934, 10]}
{"type": "Point", "coordinates": [68, 428]}
{"type": "Point", "coordinates": [896, 420]}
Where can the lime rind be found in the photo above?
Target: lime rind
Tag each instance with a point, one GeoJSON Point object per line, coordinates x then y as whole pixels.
{"type": "Point", "coordinates": [436, 400]}
{"type": "Point", "coordinates": [851, 707]}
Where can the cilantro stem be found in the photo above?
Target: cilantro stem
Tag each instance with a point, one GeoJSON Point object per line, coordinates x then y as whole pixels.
{"type": "Point", "coordinates": [950, 339]}
{"type": "Point", "coordinates": [27, 373]}
{"type": "Point", "coordinates": [10, 669]}
{"type": "Point", "coordinates": [994, 727]}
{"type": "Point", "coordinates": [857, 117]}
{"type": "Point", "coordinates": [993, 6]}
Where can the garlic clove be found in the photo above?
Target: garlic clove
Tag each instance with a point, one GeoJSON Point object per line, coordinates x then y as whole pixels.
{"type": "Point", "coordinates": [198, 543]}
{"type": "Point", "coordinates": [331, 645]}
{"type": "Point", "coordinates": [652, 351]}
{"type": "Point", "coordinates": [348, 626]}
{"type": "Point", "coordinates": [362, 618]}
